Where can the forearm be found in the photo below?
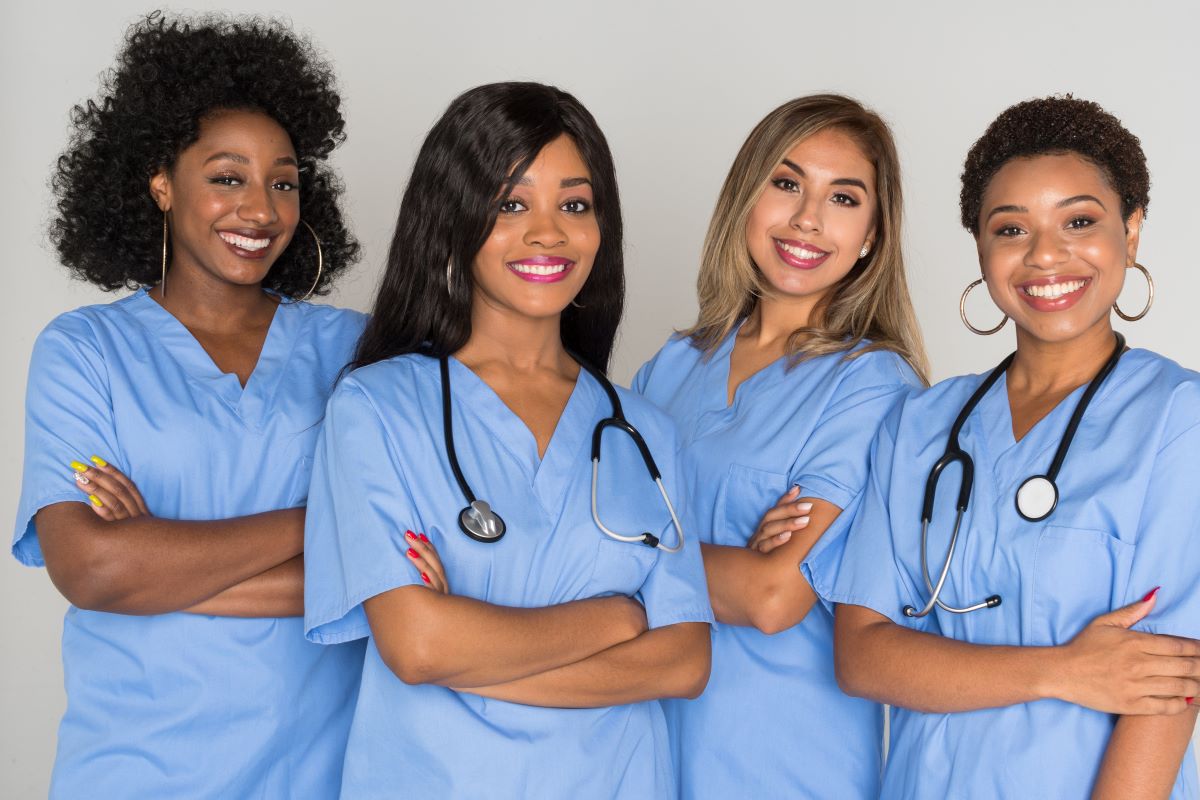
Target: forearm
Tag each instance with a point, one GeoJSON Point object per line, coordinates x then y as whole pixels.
{"type": "Point", "coordinates": [1143, 757]}
{"type": "Point", "coordinates": [277, 592]}
{"type": "Point", "coordinates": [430, 637]}
{"type": "Point", "coordinates": [665, 662]}
{"type": "Point", "coordinates": [891, 664]}
{"type": "Point", "coordinates": [746, 588]}
{"type": "Point", "coordinates": [148, 565]}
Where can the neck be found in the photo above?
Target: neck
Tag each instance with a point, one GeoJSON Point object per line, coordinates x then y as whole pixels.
{"type": "Point", "coordinates": [200, 300]}
{"type": "Point", "coordinates": [1042, 367]}
{"type": "Point", "coordinates": [775, 319]}
{"type": "Point", "coordinates": [501, 337]}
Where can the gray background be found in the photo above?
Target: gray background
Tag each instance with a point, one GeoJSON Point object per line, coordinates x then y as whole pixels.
{"type": "Point", "coordinates": [676, 88]}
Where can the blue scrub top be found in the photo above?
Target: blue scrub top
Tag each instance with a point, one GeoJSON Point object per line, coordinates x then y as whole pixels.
{"type": "Point", "coordinates": [183, 705]}
{"type": "Point", "coordinates": [381, 469]}
{"type": "Point", "coordinates": [773, 722]}
{"type": "Point", "coordinates": [1128, 519]}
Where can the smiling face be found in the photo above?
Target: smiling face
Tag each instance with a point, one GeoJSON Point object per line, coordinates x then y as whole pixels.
{"type": "Point", "coordinates": [542, 247]}
{"type": "Point", "coordinates": [1053, 245]}
{"type": "Point", "coordinates": [812, 220]}
{"type": "Point", "coordinates": [232, 198]}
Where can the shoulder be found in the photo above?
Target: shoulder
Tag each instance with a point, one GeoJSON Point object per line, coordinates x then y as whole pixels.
{"type": "Point", "coordinates": [643, 414]}
{"type": "Point", "coordinates": [1162, 389]}
{"type": "Point", "coordinates": [331, 320]}
{"type": "Point", "coordinates": [863, 368]}
{"type": "Point", "coordinates": [672, 361]}
{"type": "Point", "coordinates": [83, 330]}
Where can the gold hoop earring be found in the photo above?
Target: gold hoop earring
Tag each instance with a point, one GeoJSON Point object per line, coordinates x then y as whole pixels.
{"type": "Point", "coordinates": [962, 312]}
{"type": "Point", "coordinates": [1149, 298]}
{"type": "Point", "coordinates": [162, 284]}
{"type": "Point", "coordinates": [320, 261]}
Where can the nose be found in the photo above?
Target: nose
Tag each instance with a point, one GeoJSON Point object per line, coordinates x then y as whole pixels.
{"type": "Point", "coordinates": [258, 205]}
{"type": "Point", "coordinates": [544, 229]}
{"type": "Point", "coordinates": [807, 216]}
{"type": "Point", "coordinates": [1046, 251]}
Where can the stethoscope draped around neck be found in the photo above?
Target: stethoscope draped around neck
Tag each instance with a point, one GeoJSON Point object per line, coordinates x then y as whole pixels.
{"type": "Point", "coordinates": [480, 521]}
{"type": "Point", "coordinates": [1036, 498]}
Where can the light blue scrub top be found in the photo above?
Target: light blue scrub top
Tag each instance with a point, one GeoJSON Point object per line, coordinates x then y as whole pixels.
{"type": "Point", "coordinates": [381, 469]}
{"type": "Point", "coordinates": [772, 722]}
{"type": "Point", "coordinates": [1128, 519]}
{"type": "Point", "coordinates": [182, 705]}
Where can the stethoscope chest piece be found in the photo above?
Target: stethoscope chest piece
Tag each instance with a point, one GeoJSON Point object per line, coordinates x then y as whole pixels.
{"type": "Point", "coordinates": [1037, 498]}
{"type": "Point", "coordinates": [481, 523]}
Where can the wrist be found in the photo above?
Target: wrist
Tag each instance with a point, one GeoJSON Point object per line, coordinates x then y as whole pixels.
{"type": "Point", "coordinates": [1049, 671]}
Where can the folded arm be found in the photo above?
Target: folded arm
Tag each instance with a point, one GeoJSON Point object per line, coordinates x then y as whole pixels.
{"type": "Point", "coordinates": [1143, 757]}
{"type": "Point", "coordinates": [277, 592]}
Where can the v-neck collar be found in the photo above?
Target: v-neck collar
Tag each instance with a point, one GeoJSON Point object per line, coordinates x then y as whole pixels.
{"type": "Point", "coordinates": [550, 475]}
{"type": "Point", "coordinates": [722, 360]}
{"type": "Point", "coordinates": [250, 403]}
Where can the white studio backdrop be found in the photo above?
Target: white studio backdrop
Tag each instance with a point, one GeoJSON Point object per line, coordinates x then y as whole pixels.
{"type": "Point", "coordinates": [676, 87]}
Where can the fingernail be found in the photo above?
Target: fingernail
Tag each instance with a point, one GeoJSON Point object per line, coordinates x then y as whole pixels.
{"type": "Point", "coordinates": [79, 466]}
{"type": "Point", "coordinates": [800, 521]}
{"type": "Point", "coordinates": [804, 508]}
{"type": "Point", "coordinates": [783, 537]}
{"type": "Point", "coordinates": [410, 535]}
{"type": "Point", "coordinates": [1151, 593]}
{"type": "Point", "coordinates": [98, 461]}
{"type": "Point", "coordinates": [81, 479]}
{"type": "Point", "coordinates": [413, 553]}
{"type": "Point", "coordinates": [424, 538]}
{"type": "Point", "coordinates": [794, 490]}
{"type": "Point", "coordinates": [1189, 700]}
{"type": "Point", "coordinates": [95, 501]}
{"type": "Point", "coordinates": [425, 578]}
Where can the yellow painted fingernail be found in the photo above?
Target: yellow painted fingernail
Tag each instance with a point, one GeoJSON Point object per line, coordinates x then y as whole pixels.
{"type": "Point", "coordinates": [98, 461]}
{"type": "Point", "coordinates": [79, 466]}
{"type": "Point", "coordinates": [95, 501]}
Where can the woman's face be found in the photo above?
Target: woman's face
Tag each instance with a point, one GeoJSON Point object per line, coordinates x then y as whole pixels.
{"type": "Point", "coordinates": [813, 218]}
{"type": "Point", "coordinates": [542, 247]}
{"type": "Point", "coordinates": [232, 198]}
{"type": "Point", "coordinates": [1053, 245]}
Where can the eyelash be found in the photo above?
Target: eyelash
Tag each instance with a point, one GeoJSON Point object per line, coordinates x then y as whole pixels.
{"type": "Point", "coordinates": [790, 186]}
{"type": "Point", "coordinates": [585, 206]}
{"type": "Point", "coordinates": [1008, 231]}
{"type": "Point", "coordinates": [233, 180]}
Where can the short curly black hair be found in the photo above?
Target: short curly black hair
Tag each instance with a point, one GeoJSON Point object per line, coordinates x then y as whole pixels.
{"type": "Point", "coordinates": [1052, 125]}
{"type": "Point", "coordinates": [171, 73]}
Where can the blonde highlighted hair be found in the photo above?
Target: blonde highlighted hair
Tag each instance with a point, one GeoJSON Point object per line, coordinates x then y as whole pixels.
{"type": "Point", "coordinates": [871, 303]}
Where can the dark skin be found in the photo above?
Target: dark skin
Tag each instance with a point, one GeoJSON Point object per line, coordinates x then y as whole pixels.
{"type": "Point", "coordinates": [238, 181]}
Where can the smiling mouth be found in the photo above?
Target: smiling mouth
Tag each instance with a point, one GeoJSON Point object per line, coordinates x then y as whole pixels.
{"type": "Point", "coordinates": [1053, 291]}
{"type": "Point", "coordinates": [247, 243]}
{"type": "Point", "coordinates": [544, 270]}
{"type": "Point", "coordinates": [802, 253]}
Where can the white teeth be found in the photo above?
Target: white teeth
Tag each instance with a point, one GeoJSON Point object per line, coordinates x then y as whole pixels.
{"type": "Point", "coordinates": [800, 252]}
{"type": "Point", "coordinates": [1054, 290]}
{"type": "Point", "coordinates": [244, 242]}
{"type": "Point", "coordinates": [537, 269]}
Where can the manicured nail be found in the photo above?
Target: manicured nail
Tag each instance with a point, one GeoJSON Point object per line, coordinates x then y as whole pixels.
{"type": "Point", "coordinates": [81, 479]}
{"type": "Point", "coordinates": [800, 521]}
{"type": "Point", "coordinates": [794, 490]}
{"type": "Point", "coordinates": [79, 466]}
{"type": "Point", "coordinates": [424, 538]}
{"type": "Point", "coordinates": [413, 553]}
{"type": "Point", "coordinates": [425, 578]}
{"type": "Point", "coordinates": [1189, 700]}
{"type": "Point", "coordinates": [95, 501]}
{"type": "Point", "coordinates": [804, 508]}
{"type": "Point", "coordinates": [98, 461]}
{"type": "Point", "coordinates": [410, 535]}
{"type": "Point", "coordinates": [1150, 594]}
{"type": "Point", "coordinates": [783, 537]}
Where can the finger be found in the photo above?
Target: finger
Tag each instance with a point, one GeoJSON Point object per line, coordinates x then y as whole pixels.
{"type": "Point", "coordinates": [1172, 667]}
{"type": "Point", "coordinates": [130, 487]}
{"type": "Point", "coordinates": [421, 544]}
{"type": "Point", "coordinates": [102, 499]}
{"type": "Point", "coordinates": [431, 578]}
{"type": "Point", "coordinates": [767, 545]}
{"type": "Point", "coordinates": [100, 510]}
{"type": "Point", "coordinates": [1171, 687]}
{"type": "Point", "coordinates": [1163, 645]}
{"type": "Point", "coordinates": [1129, 615]}
{"type": "Point", "coordinates": [786, 511]}
{"type": "Point", "coordinates": [111, 491]}
{"type": "Point", "coordinates": [1161, 706]}
{"type": "Point", "coordinates": [772, 530]}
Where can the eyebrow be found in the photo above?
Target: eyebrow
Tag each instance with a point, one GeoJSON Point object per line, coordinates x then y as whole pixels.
{"type": "Point", "coordinates": [1079, 198]}
{"type": "Point", "coordinates": [838, 182]}
{"type": "Point", "coordinates": [241, 159]}
{"type": "Point", "coordinates": [565, 183]}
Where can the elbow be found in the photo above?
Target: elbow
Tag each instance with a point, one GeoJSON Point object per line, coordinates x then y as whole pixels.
{"type": "Point", "coordinates": [691, 671]}
{"type": "Point", "coordinates": [411, 659]}
{"type": "Point", "coordinates": [849, 669]}
{"type": "Point", "coordinates": [91, 581]}
{"type": "Point", "coordinates": [777, 611]}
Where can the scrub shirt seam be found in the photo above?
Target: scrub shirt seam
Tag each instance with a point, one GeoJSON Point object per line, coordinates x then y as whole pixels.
{"type": "Point", "coordinates": [42, 502]}
{"type": "Point", "coordinates": [689, 614]}
{"type": "Point", "coordinates": [374, 590]}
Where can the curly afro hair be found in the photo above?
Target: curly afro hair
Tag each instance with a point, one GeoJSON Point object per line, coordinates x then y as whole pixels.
{"type": "Point", "coordinates": [1054, 125]}
{"type": "Point", "coordinates": [170, 74]}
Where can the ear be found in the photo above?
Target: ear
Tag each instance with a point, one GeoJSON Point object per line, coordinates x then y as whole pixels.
{"type": "Point", "coordinates": [160, 189]}
{"type": "Point", "coordinates": [1133, 235]}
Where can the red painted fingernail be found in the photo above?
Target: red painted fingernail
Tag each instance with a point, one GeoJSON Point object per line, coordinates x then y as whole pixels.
{"type": "Point", "coordinates": [1151, 593]}
{"type": "Point", "coordinates": [410, 535]}
{"type": "Point", "coordinates": [1189, 700]}
{"type": "Point", "coordinates": [425, 578]}
{"type": "Point", "coordinates": [424, 538]}
{"type": "Point", "coordinates": [413, 553]}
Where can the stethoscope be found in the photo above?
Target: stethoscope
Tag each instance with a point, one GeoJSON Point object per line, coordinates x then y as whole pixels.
{"type": "Point", "coordinates": [482, 524]}
{"type": "Point", "coordinates": [1036, 498]}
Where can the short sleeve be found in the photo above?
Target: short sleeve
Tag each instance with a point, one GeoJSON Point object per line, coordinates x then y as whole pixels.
{"type": "Point", "coordinates": [68, 417]}
{"type": "Point", "coordinates": [860, 567]}
{"type": "Point", "coordinates": [359, 507]}
{"type": "Point", "coordinates": [832, 465]}
{"type": "Point", "coordinates": [1167, 553]}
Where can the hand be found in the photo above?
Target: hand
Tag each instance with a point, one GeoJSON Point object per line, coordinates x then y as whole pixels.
{"type": "Point", "coordinates": [425, 558]}
{"type": "Point", "coordinates": [113, 496]}
{"type": "Point", "coordinates": [1110, 668]}
{"type": "Point", "coordinates": [778, 524]}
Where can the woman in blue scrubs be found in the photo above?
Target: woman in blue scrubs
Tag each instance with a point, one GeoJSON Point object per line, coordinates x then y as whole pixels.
{"type": "Point", "coordinates": [527, 665]}
{"type": "Point", "coordinates": [169, 434]}
{"type": "Point", "coordinates": [1043, 691]}
{"type": "Point", "coordinates": [806, 337]}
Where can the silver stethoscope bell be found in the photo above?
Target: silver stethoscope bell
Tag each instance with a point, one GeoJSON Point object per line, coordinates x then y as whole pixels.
{"type": "Point", "coordinates": [1037, 498]}
{"type": "Point", "coordinates": [481, 523]}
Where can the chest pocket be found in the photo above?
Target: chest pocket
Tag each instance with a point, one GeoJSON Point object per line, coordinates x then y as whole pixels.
{"type": "Point", "coordinates": [1078, 575]}
{"type": "Point", "coordinates": [620, 567]}
{"type": "Point", "coordinates": [747, 495]}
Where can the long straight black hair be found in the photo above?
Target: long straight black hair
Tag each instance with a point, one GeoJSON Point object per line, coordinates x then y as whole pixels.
{"type": "Point", "coordinates": [469, 162]}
